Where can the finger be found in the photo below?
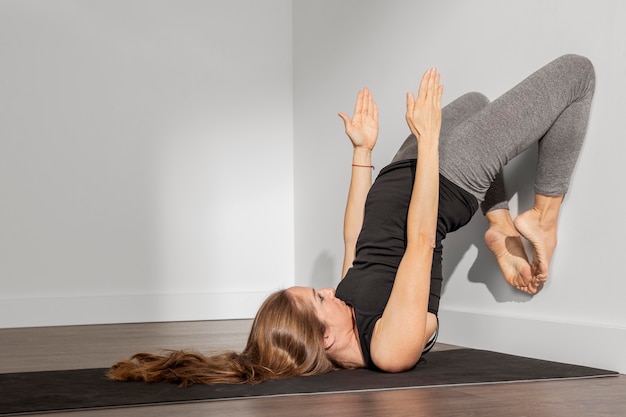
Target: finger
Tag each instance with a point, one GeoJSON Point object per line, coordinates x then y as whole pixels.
{"type": "Point", "coordinates": [421, 91]}
{"type": "Point", "coordinates": [437, 90]}
{"type": "Point", "coordinates": [375, 113]}
{"type": "Point", "coordinates": [367, 99]}
{"type": "Point", "coordinates": [434, 90]}
{"type": "Point", "coordinates": [410, 104]}
{"type": "Point", "coordinates": [437, 83]}
{"type": "Point", "coordinates": [359, 103]}
{"type": "Point", "coordinates": [371, 104]}
{"type": "Point", "coordinates": [439, 95]}
{"type": "Point", "coordinates": [432, 80]}
{"type": "Point", "coordinates": [345, 118]}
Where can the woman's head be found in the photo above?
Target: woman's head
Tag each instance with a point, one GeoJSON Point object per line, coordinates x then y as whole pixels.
{"type": "Point", "coordinates": [287, 338]}
{"type": "Point", "coordinates": [330, 310]}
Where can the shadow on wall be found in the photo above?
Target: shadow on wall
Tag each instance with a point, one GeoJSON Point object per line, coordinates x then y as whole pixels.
{"type": "Point", "coordinates": [519, 179]}
{"type": "Point", "coordinates": [324, 273]}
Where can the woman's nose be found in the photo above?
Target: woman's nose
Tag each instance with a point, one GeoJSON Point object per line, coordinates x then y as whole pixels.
{"type": "Point", "coordinates": [329, 292]}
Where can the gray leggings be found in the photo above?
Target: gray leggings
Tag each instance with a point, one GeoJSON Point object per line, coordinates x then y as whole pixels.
{"type": "Point", "coordinates": [478, 138]}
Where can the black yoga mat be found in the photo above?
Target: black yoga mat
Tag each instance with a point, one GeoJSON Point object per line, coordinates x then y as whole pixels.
{"type": "Point", "coordinates": [33, 392]}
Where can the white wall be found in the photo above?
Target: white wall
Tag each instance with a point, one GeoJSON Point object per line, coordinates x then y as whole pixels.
{"type": "Point", "coordinates": [488, 46]}
{"type": "Point", "coordinates": [145, 159]}
{"type": "Point", "coordinates": [121, 121]}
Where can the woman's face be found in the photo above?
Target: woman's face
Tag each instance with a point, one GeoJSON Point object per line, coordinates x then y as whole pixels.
{"type": "Point", "coordinates": [330, 310]}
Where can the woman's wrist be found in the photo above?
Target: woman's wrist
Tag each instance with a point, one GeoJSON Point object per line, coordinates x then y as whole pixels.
{"type": "Point", "coordinates": [428, 138]}
{"type": "Point", "coordinates": [362, 156]}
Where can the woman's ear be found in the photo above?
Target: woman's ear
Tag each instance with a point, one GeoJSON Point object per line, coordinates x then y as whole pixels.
{"type": "Point", "coordinates": [329, 340]}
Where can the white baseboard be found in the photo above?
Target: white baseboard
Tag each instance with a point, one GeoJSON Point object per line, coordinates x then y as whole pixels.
{"type": "Point", "coordinates": [69, 311]}
{"type": "Point", "coordinates": [581, 344]}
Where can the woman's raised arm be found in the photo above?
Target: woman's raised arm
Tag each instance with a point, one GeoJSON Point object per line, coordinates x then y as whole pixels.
{"type": "Point", "coordinates": [405, 326]}
{"type": "Point", "coordinates": [362, 130]}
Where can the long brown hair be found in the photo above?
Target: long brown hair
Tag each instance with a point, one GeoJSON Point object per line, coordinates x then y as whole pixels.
{"type": "Point", "coordinates": [286, 339]}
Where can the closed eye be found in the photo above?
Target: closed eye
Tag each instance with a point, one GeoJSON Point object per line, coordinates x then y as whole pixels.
{"type": "Point", "coordinates": [317, 295]}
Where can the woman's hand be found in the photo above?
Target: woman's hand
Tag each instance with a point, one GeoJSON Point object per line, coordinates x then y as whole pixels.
{"type": "Point", "coordinates": [423, 114]}
{"type": "Point", "coordinates": [362, 129]}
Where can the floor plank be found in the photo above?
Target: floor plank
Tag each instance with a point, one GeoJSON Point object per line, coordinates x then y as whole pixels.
{"type": "Point", "coordinates": [77, 347]}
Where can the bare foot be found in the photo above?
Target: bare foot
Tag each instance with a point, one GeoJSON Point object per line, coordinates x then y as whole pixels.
{"type": "Point", "coordinates": [506, 244]}
{"type": "Point", "coordinates": [541, 233]}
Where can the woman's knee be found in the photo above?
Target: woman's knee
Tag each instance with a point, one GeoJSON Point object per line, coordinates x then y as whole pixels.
{"type": "Point", "coordinates": [579, 62]}
{"type": "Point", "coordinates": [474, 99]}
{"type": "Point", "coordinates": [579, 67]}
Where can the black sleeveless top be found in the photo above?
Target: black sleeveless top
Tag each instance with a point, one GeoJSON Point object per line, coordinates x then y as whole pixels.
{"type": "Point", "coordinates": [382, 242]}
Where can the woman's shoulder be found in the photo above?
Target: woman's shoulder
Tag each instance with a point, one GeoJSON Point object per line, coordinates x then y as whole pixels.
{"type": "Point", "coordinates": [398, 165]}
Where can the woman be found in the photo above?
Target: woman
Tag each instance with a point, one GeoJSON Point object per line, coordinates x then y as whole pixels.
{"type": "Point", "coordinates": [383, 314]}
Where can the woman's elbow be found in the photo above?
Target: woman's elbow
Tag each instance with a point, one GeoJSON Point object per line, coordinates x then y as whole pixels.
{"type": "Point", "coordinates": [396, 360]}
{"type": "Point", "coordinates": [396, 365]}
{"type": "Point", "coordinates": [422, 241]}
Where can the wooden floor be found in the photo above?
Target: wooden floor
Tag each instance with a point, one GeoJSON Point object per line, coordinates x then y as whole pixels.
{"type": "Point", "coordinates": [98, 346]}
